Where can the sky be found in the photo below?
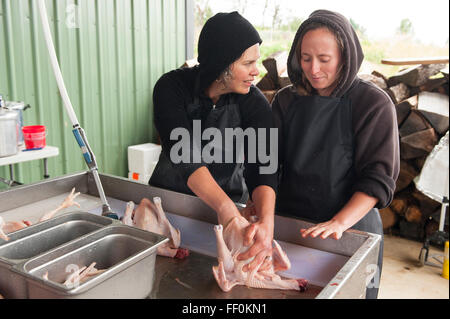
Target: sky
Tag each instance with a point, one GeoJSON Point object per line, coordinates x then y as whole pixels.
{"type": "Point", "coordinates": [380, 18]}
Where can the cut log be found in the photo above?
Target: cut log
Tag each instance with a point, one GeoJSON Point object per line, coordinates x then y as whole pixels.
{"type": "Point", "coordinates": [276, 64]}
{"type": "Point", "coordinates": [443, 89]}
{"type": "Point", "coordinates": [413, 214]}
{"type": "Point", "coordinates": [418, 144]}
{"type": "Point", "coordinates": [427, 205]}
{"type": "Point", "coordinates": [419, 162]}
{"type": "Point", "coordinates": [408, 152]}
{"type": "Point", "coordinates": [406, 176]}
{"type": "Point", "coordinates": [403, 110]}
{"type": "Point", "coordinates": [380, 75]}
{"type": "Point", "coordinates": [425, 140]}
{"type": "Point", "coordinates": [266, 84]}
{"type": "Point", "coordinates": [415, 122]}
{"type": "Point", "coordinates": [398, 92]}
{"type": "Point", "coordinates": [435, 108]}
{"type": "Point", "coordinates": [378, 81]}
{"type": "Point", "coordinates": [445, 72]}
{"type": "Point", "coordinates": [416, 75]}
{"type": "Point", "coordinates": [430, 86]}
{"type": "Point", "coordinates": [399, 205]}
{"type": "Point", "coordinates": [388, 217]}
{"type": "Point", "coordinates": [413, 100]}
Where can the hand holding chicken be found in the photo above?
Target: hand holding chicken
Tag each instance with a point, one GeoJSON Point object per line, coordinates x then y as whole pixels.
{"type": "Point", "coordinates": [230, 271]}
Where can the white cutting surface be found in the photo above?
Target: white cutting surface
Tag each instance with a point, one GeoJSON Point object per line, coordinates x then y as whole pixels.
{"type": "Point", "coordinates": [317, 266]}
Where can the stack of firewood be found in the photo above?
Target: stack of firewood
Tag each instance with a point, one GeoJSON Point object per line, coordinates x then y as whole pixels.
{"type": "Point", "coordinates": [276, 76]}
{"type": "Point", "coordinates": [421, 98]}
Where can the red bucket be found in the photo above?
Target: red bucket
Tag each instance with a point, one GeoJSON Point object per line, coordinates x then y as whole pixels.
{"type": "Point", "coordinates": [34, 136]}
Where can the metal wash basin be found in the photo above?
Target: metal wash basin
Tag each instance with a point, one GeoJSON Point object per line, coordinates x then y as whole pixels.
{"type": "Point", "coordinates": [39, 238]}
{"type": "Point", "coordinates": [126, 253]}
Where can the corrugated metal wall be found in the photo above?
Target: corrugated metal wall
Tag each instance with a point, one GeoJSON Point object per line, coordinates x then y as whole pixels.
{"type": "Point", "coordinates": [111, 53]}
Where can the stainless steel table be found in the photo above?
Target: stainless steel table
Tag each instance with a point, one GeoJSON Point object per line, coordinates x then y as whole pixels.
{"type": "Point", "coordinates": [192, 278]}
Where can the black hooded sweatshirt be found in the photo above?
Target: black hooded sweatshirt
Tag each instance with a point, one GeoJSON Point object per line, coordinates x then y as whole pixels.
{"type": "Point", "coordinates": [374, 125]}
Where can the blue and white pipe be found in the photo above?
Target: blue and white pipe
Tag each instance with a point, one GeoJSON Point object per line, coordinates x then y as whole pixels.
{"type": "Point", "coordinates": [77, 130]}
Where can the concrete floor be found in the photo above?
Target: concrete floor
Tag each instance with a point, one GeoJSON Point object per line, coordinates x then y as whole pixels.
{"type": "Point", "coordinates": [403, 278]}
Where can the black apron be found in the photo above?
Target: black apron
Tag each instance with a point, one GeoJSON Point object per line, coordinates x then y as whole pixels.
{"type": "Point", "coordinates": [229, 176]}
{"type": "Point", "coordinates": [317, 171]}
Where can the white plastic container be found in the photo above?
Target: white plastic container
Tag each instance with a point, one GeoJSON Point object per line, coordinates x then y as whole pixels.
{"type": "Point", "coordinates": [136, 177]}
{"type": "Point", "coordinates": [142, 158]}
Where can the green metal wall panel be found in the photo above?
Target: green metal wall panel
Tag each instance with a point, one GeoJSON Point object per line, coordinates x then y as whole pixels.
{"type": "Point", "coordinates": [110, 63]}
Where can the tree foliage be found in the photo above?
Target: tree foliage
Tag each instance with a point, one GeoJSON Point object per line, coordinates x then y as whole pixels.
{"type": "Point", "coordinates": [406, 27]}
{"type": "Point", "coordinates": [202, 12]}
{"type": "Point", "coordinates": [360, 30]}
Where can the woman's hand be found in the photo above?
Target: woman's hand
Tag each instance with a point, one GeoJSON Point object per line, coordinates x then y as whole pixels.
{"type": "Point", "coordinates": [324, 230]}
{"type": "Point", "coordinates": [249, 210]}
{"type": "Point", "coordinates": [262, 235]}
{"type": "Point", "coordinates": [355, 209]}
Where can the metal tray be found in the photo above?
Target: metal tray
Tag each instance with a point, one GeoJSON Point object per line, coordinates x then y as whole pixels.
{"type": "Point", "coordinates": [127, 253]}
{"type": "Point", "coordinates": [41, 237]}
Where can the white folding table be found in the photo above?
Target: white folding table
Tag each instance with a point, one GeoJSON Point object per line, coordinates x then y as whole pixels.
{"type": "Point", "coordinates": [25, 156]}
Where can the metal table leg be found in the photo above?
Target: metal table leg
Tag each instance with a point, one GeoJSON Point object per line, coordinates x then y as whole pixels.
{"type": "Point", "coordinates": [11, 172]}
{"type": "Point", "coordinates": [11, 181]}
{"type": "Point", "coordinates": [46, 169]}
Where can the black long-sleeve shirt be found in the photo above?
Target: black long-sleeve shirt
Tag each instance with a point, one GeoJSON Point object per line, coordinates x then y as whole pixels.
{"type": "Point", "coordinates": [172, 94]}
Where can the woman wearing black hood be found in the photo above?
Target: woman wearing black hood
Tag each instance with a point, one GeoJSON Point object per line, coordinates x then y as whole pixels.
{"type": "Point", "coordinates": [338, 140]}
{"type": "Point", "coordinates": [218, 95]}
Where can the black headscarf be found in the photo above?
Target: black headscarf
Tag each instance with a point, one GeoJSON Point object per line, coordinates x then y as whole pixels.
{"type": "Point", "coordinates": [222, 41]}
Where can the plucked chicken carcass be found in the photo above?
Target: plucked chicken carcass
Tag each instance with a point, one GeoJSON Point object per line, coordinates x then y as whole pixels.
{"type": "Point", "coordinates": [151, 217]}
{"type": "Point", "coordinates": [12, 226]}
{"type": "Point", "coordinates": [229, 272]}
{"type": "Point", "coordinates": [79, 275]}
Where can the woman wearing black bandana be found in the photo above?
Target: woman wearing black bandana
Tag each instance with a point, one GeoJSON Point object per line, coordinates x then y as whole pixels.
{"type": "Point", "coordinates": [339, 153]}
{"type": "Point", "coordinates": [219, 94]}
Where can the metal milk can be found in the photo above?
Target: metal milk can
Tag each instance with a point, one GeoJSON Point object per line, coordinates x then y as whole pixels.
{"type": "Point", "coordinates": [9, 131]}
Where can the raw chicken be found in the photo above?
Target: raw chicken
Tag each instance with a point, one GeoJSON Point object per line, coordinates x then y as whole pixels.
{"type": "Point", "coordinates": [229, 272]}
{"type": "Point", "coordinates": [151, 217]}
{"type": "Point", "coordinates": [69, 201]}
{"type": "Point", "coordinates": [80, 275]}
{"type": "Point", "coordinates": [12, 226]}
{"type": "Point", "coordinates": [2, 234]}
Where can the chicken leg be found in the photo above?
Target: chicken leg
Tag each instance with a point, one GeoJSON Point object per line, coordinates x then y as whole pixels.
{"type": "Point", "coordinates": [12, 226]}
{"type": "Point", "coordinates": [68, 201]}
